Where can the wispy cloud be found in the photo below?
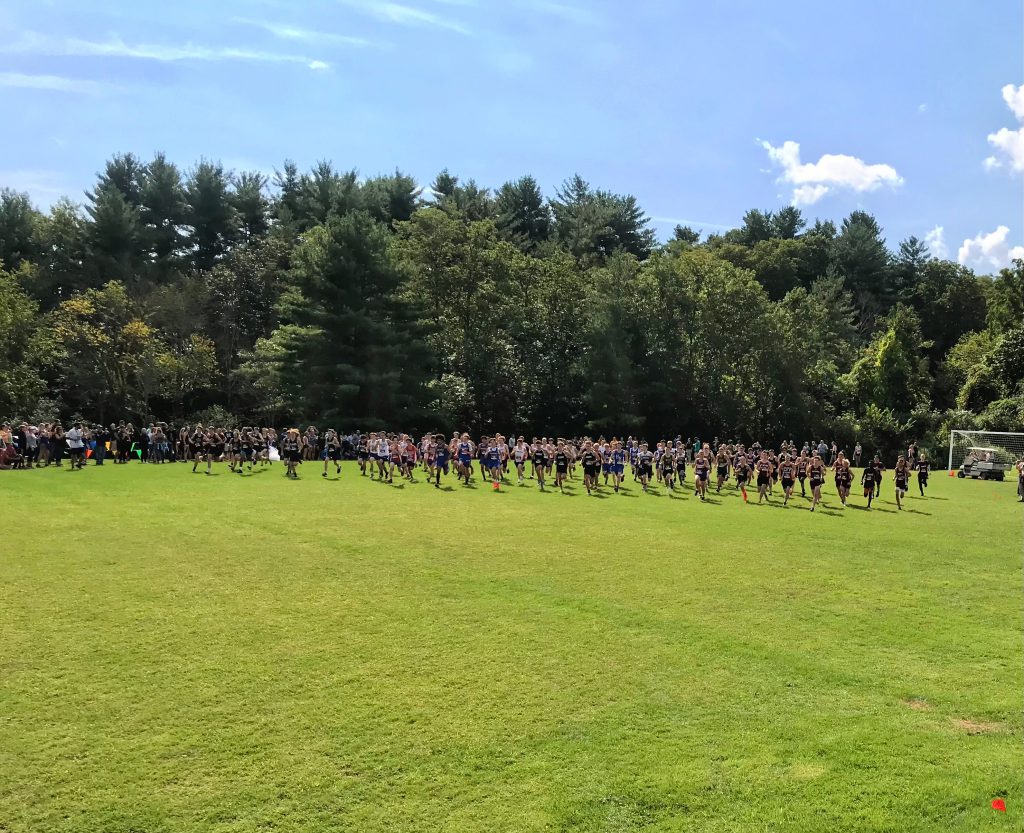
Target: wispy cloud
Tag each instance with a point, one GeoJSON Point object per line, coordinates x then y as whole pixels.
{"type": "Point", "coordinates": [44, 188]}
{"type": "Point", "coordinates": [57, 83]}
{"type": "Point", "coordinates": [285, 31]}
{"type": "Point", "coordinates": [567, 11]}
{"type": "Point", "coordinates": [115, 47]}
{"type": "Point", "coordinates": [405, 15]}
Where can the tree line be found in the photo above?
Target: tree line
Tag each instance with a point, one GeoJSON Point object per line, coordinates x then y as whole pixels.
{"type": "Point", "coordinates": [324, 297]}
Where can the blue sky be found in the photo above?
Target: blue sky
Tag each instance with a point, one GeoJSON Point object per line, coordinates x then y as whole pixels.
{"type": "Point", "coordinates": [911, 110]}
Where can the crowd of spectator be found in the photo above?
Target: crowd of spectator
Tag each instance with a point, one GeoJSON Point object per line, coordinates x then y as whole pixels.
{"type": "Point", "coordinates": [25, 446]}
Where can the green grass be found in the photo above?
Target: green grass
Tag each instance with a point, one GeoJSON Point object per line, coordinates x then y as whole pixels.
{"type": "Point", "coordinates": [183, 653]}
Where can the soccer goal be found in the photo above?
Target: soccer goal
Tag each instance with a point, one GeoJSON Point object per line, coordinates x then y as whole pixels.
{"type": "Point", "coordinates": [984, 455]}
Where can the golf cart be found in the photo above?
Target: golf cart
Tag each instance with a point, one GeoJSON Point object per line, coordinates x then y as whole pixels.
{"type": "Point", "coordinates": [985, 464]}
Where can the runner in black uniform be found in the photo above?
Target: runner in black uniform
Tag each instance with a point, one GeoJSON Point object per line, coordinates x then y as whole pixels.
{"type": "Point", "coordinates": [668, 469]}
{"type": "Point", "coordinates": [901, 478]}
{"type": "Point", "coordinates": [591, 461]}
{"type": "Point", "coordinates": [561, 465]}
{"type": "Point", "coordinates": [363, 454]}
{"type": "Point", "coordinates": [787, 474]}
{"type": "Point", "coordinates": [722, 467]}
{"type": "Point", "coordinates": [202, 448]}
{"type": "Point", "coordinates": [816, 471]}
{"type": "Point", "coordinates": [844, 478]}
{"type": "Point", "coordinates": [645, 465]}
{"type": "Point", "coordinates": [867, 479]}
{"type": "Point", "coordinates": [742, 469]}
{"type": "Point", "coordinates": [332, 450]}
{"type": "Point", "coordinates": [701, 471]}
{"type": "Point", "coordinates": [764, 476]}
{"type": "Point", "coordinates": [922, 472]}
{"type": "Point", "coordinates": [291, 452]}
{"type": "Point", "coordinates": [803, 461]}
{"type": "Point", "coordinates": [539, 460]}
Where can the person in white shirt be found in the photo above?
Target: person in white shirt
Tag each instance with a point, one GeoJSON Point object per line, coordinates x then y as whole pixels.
{"type": "Point", "coordinates": [76, 446]}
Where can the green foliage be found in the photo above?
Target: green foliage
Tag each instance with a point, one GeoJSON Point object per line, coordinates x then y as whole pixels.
{"type": "Point", "coordinates": [20, 383]}
{"type": "Point", "coordinates": [212, 220]}
{"type": "Point", "coordinates": [881, 431]}
{"type": "Point", "coordinates": [892, 373]}
{"type": "Point", "coordinates": [1006, 299]}
{"type": "Point", "coordinates": [523, 217]}
{"type": "Point", "coordinates": [106, 354]}
{"type": "Point", "coordinates": [1007, 359]}
{"type": "Point", "coordinates": [18, 220]}
{"type": "Point", "coordinates": [593, 224]}
{"type": "Point", "coordinates": [164, 210]}
{"type": "Point", "coordinates": [353, 346]}
{"type": "Point", "coordinates": [322, 293]}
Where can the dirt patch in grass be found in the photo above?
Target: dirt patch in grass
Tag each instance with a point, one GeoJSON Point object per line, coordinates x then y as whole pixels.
{"type": "Point", "coordinates": [918, 704]}
{"type": "Point", "coordinates": [976, 727]}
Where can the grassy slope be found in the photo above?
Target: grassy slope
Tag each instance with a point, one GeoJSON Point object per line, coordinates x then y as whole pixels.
{"type": "Point", "coordinates": [183, 653]}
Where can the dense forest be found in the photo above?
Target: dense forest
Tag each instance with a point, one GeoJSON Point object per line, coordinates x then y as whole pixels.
{"type": "Point", "coordinates": [329, 298]}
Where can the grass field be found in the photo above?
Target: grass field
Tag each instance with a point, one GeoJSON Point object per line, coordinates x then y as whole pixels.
{"type": "Point", "coordinates": [187, 653]}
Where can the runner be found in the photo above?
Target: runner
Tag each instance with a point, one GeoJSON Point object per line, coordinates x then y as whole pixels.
{"type": "Point", "coordinates": [901, 478]}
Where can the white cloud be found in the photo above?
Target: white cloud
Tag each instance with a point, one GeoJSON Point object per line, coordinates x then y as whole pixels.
{"type": "Point", "coordinates": [1014, 98]}
{"type": "Point", "coordinates": [922, 108]}
{"type": "Point", "coordinates": [57, 83]}
{"type": "Point", "coordinates": [404, 15]}
{"type": "Point", "coordinates": [935, 240]}
{"type": "Point", "coordinates": [319, 65]}
{"type": "Point", "coordinates": [989, 252]}
{"type": "Point", "coordinates": [1009, 143]}
{"type": "Point", "coordinates": [808, 194]}
{"type": "Point", "coordinates": [115, 47]}
{"type": "Point", "coordinates": [832, 171]}
{"type": "Point", "coordinates": [296, 33]}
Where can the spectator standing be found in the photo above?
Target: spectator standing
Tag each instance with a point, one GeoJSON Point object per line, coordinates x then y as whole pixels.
{"type": "Point", "coordinates": [76, 446]}
{"type": "Point", "coordinates": [102, 437]}
{"type": "Point", "coordinates": [57, 445]}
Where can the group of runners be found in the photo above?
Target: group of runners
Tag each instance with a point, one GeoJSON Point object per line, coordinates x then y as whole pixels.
{"type": "Point", "coordinates": [607, 463]}
{"type": "Point", "coordinates": [553, 462]}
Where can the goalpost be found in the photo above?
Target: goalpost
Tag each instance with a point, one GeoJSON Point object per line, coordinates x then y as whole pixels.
{"type": "Point", "coordinates": [990, 453]}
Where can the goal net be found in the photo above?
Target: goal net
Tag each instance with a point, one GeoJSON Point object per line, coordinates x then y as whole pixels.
{"type": "Point", "coordinates": [989, 455]}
